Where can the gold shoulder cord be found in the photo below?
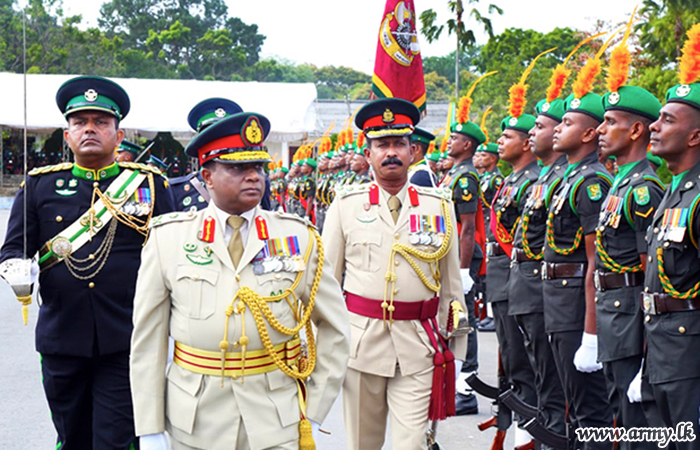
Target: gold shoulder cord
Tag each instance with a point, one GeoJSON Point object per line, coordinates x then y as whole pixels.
{"type": "Point", "coordinates": [409, 253]}
{"type": "Point", "coordinates": [247, 298]}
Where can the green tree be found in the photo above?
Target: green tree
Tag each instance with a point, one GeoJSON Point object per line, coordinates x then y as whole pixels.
{"type": "Point", "coordinates": [445, 65]}
{"type": "Point", "coordinates": [437, 87]}
{"type": "Point", "coordinates": [663, 26]}
{"type": "Point", "coordinates": [465, 37]}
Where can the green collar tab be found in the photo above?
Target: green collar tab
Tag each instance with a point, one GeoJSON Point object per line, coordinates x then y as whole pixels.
{"type": "Point", "coordinates": [676, 181]}
{"type": "Point", "coordinates": [622, 172]}
{"type": "Point", "coordinates": [95, 175]}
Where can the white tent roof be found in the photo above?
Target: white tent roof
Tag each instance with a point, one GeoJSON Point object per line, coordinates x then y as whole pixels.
{"type": "Point", "coordinates": [163, 105]}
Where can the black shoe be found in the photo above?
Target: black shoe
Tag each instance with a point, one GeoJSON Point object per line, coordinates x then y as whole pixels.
{"type": "Point", "coordinates": [486, 325]}
{"type": "Point", "coordinates": [466, 404]}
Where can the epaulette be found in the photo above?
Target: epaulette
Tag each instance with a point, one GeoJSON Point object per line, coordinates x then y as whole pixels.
{"type": "Point", "coordinates": [182, 179]}
{"type": "Point", "coordinates": [349, 189]}
{"type": "Point", "coordinates": [48, 169]}
{"type": "Point", "coordinates": [296, 218]}
{"type": "Point", "coordinates": [139, 166]}
{"type": "Point", "coordinates": [439, 192]}
{"type": "Point", "coordinates": [172, 217]}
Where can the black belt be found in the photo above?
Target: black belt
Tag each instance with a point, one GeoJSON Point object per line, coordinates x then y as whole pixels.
{"type": "Point", "coordinates": [552, 271]}
{"type": "Point", "coordinates": [663, 303]}
{"type": "Point", "coordinates": [494, 249]}
{"type": "Point", "coordinates": [608, 280]}
{"type": "Point", "coordinates": [519, 255]}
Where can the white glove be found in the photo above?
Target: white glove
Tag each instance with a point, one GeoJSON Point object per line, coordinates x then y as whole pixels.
{"type": "Point", "coordinates": [634, 392]}
{"type": "Point", "coordinates": [467, 282]}
{"type": "Point", "coordinates": [586, 356]}
{"type": "Point", "coordinates": [154, 442]}
{"type": "Point", "coordinates": [458, 368]}
{"type": "Point", "coordinates": [315, 427]}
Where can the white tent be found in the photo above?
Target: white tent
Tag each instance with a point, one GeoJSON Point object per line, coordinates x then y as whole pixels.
{"type": "Point", "coordinates": [163, 105]}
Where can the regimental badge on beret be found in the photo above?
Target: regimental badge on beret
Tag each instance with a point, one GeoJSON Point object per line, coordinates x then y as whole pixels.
{"type": "Point", "coordinates": [683, 90]}
{"type": "Point", "coordinates": [575, 103]}
{"type": "Point", "coordinates": [388, 116]}
{"type": "Point", "coordinates": [458, 127]}
{"type": "Point", "coordinates": [252, 133]}
{"type": "Point", "coordinates": [545, 107]}
{"type": "Point", "coordinates": [220, 112]}
{"type": "Point", "coordinates": [513, 121]}
{"type": "Point", "coordinates": [614, 98]}
{"type": "Point", "coordinates": [91, 95]}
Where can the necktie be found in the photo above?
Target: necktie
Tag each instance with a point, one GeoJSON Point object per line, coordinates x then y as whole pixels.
{"type": "Point", "coordinates": [394, 207]}
{"type": "Point", "coordinates": [235, 245]}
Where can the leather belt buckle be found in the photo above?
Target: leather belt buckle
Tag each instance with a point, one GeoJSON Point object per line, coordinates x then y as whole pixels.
{"type": "Point", "coordinates": [648, 303]}
{"type": "Point", "coordinates": [489, 248]}
{"type": "Point", "coordinates": [596, 281]}
{"type": "Point", "coordinates": [543, 271]}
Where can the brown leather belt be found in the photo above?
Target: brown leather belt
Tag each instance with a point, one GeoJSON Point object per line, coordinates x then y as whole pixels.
{"type": "Point", "coordinates": [519, 255]}
{"type": "Point", "coordinates": [552, 271]}
{"type": "Point", "coordinates": [494, 249]}
{"type": "Point", "coordinates": [663, 303]}
{"type": "Point", "coordinates": [608, 280]}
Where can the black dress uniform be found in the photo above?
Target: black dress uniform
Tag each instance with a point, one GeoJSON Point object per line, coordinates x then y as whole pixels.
{"type": "Point", "coordinates": [190, 192]}
{"type": "Point", "coordinates": [620, 239]}
{"type": "Point", "coordinates": [573, 213]}
{"type": "Point", "coordinates": [463, 181]}
{"type": "Point", "coordinates": [508, 204]}
{"type": "Point", "coordinates": [670, 302]}
{"type": "Point", "coordinates": [525, 296]}
{"type": "Point", "coordinates": [84, 326]}
{"type": "Point", "coordinates": [490, 182]}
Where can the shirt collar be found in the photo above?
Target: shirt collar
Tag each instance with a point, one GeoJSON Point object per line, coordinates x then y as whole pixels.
{"type": "Point", "coordinates": [223, 215]}
{"type": "Point", "coordinates": [95, 175]}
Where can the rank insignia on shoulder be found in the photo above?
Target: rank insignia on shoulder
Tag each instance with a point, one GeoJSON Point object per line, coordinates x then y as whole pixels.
{"type": "Point", "coordinates": [467, 197]}
{"type": "Point", "coordinates": [594, 192]}
{"type": "Point", "coordinates": [641, 195]}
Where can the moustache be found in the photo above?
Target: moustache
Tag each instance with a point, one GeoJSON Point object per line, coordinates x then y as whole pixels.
{"type": "Point", "coordinates": [392, 160]}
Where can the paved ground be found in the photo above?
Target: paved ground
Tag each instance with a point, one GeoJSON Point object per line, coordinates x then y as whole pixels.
{"type": "Point", "coordinates": [25, 422]}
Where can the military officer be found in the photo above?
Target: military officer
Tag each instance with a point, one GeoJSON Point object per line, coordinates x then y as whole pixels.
{"type": "Point", "coordinates": [254, 277]}
{"type": "Point", "coordinates": [400, 365]}
{"type": "Point", "coordinates": [189, 190]}
{"type": "Point", "coordinates": [672, 278]}
{"type": "Point", "coordinates": [463, 182]}
{"type": "Point", "coordinates": [621, 254]}
{"type": "Point", "coordinates": [419, 172]}
{"type": "Point", "coordinates": [88, 220]}
{"type": "Point", "coordinates": [525, 283]}
{"type": "Point", "coordinates": [128, 151]}
{"type": "Point", "coordinates": [569, 259]}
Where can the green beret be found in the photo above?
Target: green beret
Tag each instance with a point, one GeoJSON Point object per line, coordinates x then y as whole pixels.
{"type": "Point", "coordinates": [311, 162]}
{"type": "Point", "coordinates": [469, 129]}
{"type": "Point", "coordinates": [488, 148]}
{"type": "Point", "coordinates": [422, 136]}
{"type": "Point", "coordinates": [554, 109]}
{"type": "Point", "coordinates": [435, 156]}
{"type": "Point", "coordinates": [591, 104]}
{"type": "Point", "coordinates": [284, 169]}
{"type": "Point", "coordinates": [685, 93]}
{"type": "Point", "coordinates": [633, 99]}
{"type": "Point", "coordinates": [523, 123]}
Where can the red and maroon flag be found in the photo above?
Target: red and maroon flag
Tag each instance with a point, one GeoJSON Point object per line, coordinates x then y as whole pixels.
{"type": "Point", "coordinates": [398, 67]}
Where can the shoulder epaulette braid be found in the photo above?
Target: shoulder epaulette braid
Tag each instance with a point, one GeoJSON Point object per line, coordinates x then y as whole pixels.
{"type": "Point", "coordinates": [171, 218]}
{"type": "Point", "coordinates": [350, 189]}
{"type": "Point", "coordinates": [49, 169]}
{"type": "Point", "coordinates": [139, 166]}
{"type": "Point", "coordinates": [440, 192]}
{"type": "Point", "coordinates": [295, 218]}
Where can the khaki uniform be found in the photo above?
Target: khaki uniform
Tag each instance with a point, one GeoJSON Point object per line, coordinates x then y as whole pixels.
{"type": "Point", "coordinates": [390, 368]}
{"type": "Point", "coordinates": [184, 287]}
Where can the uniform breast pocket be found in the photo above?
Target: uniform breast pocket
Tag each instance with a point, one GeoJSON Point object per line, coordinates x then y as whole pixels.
{"type": "Point", "coordinates": [275, 283]}
{"type": "Point", "coordinates": [677, 259]}
{"type": "Point", "coordinates": [367, 245]}
{"type": "Point", "coordinates": [196, 288]}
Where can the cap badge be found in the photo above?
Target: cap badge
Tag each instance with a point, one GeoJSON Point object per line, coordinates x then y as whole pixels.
{"type": "Point", "coordinates": [683, 90]}
{"type": "Point", "coordinates": [513, 121]}
{"type": "Point", "coordinates": [252, 133]}
{"type": "Point", "coordinates": [220, 113]}
{"type": "Point", "coordinates": [575, 103]}
{"type": "Point", "coordinates": [458, 127]}
{"type": "Point", "coordinates": [545, 107]}
{"type": "Point", "coordinates": [388, 116]}
{"type": "Point", "coordinates": [614, 98]}
{"type": "Point", "coordinates": [91, 95]}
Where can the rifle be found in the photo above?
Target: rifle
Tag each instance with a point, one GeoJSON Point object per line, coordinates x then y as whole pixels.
{"type": "Point", "coordinates": [503, 417]}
